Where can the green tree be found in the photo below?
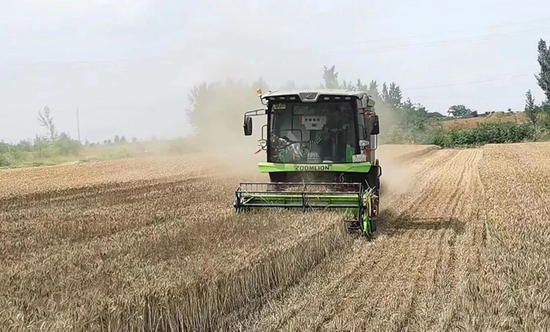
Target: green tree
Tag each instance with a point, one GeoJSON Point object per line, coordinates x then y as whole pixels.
{"type": "Point", "coordinates": [117, 139]}
{"type": "Point", "coordinates": [385, 93]}
{"type": "Point", "coordinates": [348, 86]}
{"type": "Point", "coordinates": [64, 144]}
{"type": "Point", "coordinates": [413, 115]}
{"type": "Point", "coordinates": [360, 86]}
{"type": "Point", "coordinates": [45, 119]}
{"type": "Point", "coordinates": [531, 108]}
{"type": "Point", "coordinates": [40, 143]}
{"type": "Point", "coordinates": [330, 76]}
{"type": "Point", "coordinates": [373, 90]}
{"type": "Point", "coordinates": [394, 95]}
{"type": "Point", "coordinates": [543, 79]}
{"type": "Point", "coordinates": [459, 111]}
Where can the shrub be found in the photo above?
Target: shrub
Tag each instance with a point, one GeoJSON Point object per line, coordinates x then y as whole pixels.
{"type": "Point", "coordinates": [486, 133]}
{"type": "Point", "coordinates": [64, 145]}
{"type": "Point", "coordinates": [6, 159]}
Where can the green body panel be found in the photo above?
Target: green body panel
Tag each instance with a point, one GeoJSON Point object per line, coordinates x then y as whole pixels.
{"type": "Point", "coordinates": [266, 167]}
{"type": "Point", "coordinates": [366, 225]}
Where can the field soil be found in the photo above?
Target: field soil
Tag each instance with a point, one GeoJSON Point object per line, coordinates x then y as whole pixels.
{"type": "Point", "coordinates": [154, 245]}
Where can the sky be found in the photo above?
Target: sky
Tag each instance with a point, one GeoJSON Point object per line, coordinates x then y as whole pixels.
{"type": "Point", "coordinates": [128, 65]}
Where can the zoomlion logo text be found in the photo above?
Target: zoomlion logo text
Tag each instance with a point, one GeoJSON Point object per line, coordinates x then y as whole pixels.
{"type": "Point", "coordinates": [312, 167]}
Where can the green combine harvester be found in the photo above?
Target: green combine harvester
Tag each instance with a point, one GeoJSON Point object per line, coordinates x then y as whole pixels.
{"type": "Point", "coordinates": [320, 148]}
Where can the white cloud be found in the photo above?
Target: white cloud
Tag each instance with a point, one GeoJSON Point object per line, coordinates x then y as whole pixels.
{"type": "Point", "coordinates": [35, 14]}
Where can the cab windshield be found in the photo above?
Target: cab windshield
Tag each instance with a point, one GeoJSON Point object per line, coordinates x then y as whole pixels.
{"type": "Point", "coordinates": [322, 132]}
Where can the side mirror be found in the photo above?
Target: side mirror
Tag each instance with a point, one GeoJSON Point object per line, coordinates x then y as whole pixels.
{"type": "Point", "coordinates": [247, 126]}
{"type": "Point", "coordinates": [375, 126]}
{"type": "Point", "coordinates": [368, 103]}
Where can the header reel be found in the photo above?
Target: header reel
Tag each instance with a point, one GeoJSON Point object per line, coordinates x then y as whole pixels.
{"type": "Point", "coordinates": [359, 204]}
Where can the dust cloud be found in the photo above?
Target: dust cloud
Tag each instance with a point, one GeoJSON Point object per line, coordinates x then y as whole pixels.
{"type": "Point", "coordinates": [388, 117]}
{"type": "Point", "coordinates": [397, 175]}
{"type": "Point", "coordinates": [217, 113]}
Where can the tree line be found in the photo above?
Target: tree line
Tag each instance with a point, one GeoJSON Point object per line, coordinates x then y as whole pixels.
{"type": "Point", "coordinates": [50, 145]}
{"type": "Point", "coordinates": [217, 108]}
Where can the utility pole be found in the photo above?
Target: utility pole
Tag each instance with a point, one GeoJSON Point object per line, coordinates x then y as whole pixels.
{"type": "Point", "coordinates": [78, 124]}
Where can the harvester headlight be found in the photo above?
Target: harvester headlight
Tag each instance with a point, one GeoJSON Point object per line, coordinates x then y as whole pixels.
{"type": "Point", "coordinates": [259, 92]}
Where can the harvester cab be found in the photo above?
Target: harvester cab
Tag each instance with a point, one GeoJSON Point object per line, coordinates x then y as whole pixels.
{"type": "Point", "coordinates": [321, 154]}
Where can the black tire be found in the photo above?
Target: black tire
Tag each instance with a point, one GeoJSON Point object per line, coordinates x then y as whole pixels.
{"type": "Point", "coordinates": [373, 179]}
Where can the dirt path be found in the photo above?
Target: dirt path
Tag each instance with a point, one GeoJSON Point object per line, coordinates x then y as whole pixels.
{"type": "Point", "coordinates": [412, 275]}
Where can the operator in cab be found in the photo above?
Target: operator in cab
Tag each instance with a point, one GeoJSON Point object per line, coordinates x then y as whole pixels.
{"type": "Point", "coordinates": [333, 136]}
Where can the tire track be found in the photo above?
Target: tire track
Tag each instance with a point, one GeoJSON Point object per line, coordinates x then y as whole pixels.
{"type": "Point", "coordinates": [407, 274]}
{"type": "Point", "coordinates": [375, 302]}
{"type": "Point", "coordinates": [446, 279]}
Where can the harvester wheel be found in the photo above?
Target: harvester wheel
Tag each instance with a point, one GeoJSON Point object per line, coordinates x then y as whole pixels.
{"type": "Point", "coordinates": [373, 180]}
{"type": "Point", "coordinates": [373, 213]}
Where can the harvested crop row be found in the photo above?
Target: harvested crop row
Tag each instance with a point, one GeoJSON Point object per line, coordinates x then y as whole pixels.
{"type": "Point", "coordinates": [404, 152]}
{"type": "Point", "coordinates": [465, 249]}
{"type": "Point", "coordinates": [410, 276]}
{"type": "Point", "coordinates": [92, 247]}
{"type": "Point", "coordinates": [511, 291]}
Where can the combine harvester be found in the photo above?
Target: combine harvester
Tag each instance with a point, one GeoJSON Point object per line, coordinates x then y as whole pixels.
{"type": "Point", "coordinates": [320, 155]}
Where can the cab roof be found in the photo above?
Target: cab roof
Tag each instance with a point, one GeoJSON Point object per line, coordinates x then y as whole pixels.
{"type": "Point", "coordinates": [312, 95]}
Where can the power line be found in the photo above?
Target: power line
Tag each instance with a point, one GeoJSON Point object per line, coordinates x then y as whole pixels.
{"type": "Point", "coordinates": [446, 32]}
{"type": "Point", "coordinates": [439, 42]}
{"type": "Point", "coordinates": [496, 78]}
{"type": "Point", "coordinates": [27, 111]}
{"type": "Point", "coordinates": [148, 59]}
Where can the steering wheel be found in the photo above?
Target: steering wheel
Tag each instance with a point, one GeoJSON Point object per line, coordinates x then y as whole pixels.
{"type": "Point", "coordinates": [336, 131]}
{"type": "Point", "coordinates": [287, 142]}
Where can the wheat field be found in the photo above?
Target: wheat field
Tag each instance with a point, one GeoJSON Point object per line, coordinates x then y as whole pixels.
{"type": "Point", "coordinates": [469, 123]}
{"type": "Point", "coordinates": [154, 245]}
